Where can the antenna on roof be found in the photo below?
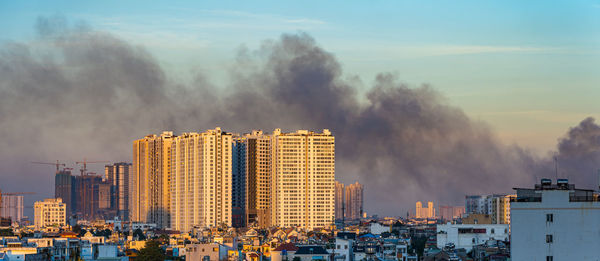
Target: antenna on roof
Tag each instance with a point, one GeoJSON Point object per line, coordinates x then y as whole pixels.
{"type": "Point", "coordinates": [556, 166]}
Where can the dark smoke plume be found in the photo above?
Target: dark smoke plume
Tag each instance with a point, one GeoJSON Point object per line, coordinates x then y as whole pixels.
{"type": "Point", "coordinates": [77, 92]}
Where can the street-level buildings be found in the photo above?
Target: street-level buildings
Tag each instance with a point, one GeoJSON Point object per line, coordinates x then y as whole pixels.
{"type": "Point", "coordinates": [469, 235]}
{"type": "Point", "coordinates": [201, 180]}
{"type": "Point", "coordinates": [149, 182]}
{"type": "Point", "coordinates": [555, 222]}
{"type": "Point", "coordinates": [50, 212]}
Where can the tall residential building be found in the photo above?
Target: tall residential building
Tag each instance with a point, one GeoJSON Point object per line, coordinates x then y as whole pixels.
{"type": "Point", "coordinates": [259, 168]}
{"type": "Point", "coordinates": [118, 177]}
{"type": "Point", "coordinates": [238, 182]}
{"type": "Point", "coordinates": [50, 212]}
{"type": "Point", "coordinates": [354, 201]}
{"type": "Point", "coordinates": [448, 213]}
{"type": "Point", "coordinates": [555, 222]}
{"type": "Point", "coordinates": [303, 179]}
{"type": "Point", "coordinates": [201, 180]}
{"type": "Point", "coordinates": [339, 200]}
{"type": "Point", "coordinates": [497, 206]}
{"type": "Point", "coordinates": [500, 209]}
{"type": "Point", "coordinates": [65, 189]}
{"type": "Point", "coordinates": [424, 212]}
{"type": "Point", "coordinates": [12, 207]}
{"type": "Point", "coordinates": [149, 183]}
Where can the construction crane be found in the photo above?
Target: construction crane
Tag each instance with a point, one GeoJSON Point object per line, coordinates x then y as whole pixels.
{"type": "Point", "coordinates": [85, 162]}
{"type": "Point", "coordinates": [57, 164]}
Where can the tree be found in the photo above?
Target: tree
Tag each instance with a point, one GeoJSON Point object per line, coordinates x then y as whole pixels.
{"type": "Point", "coordinates": [151, 252]}
{"type": "Point", "coordinates": [6, 232]}
{"type": "Point", "coordinates": [139, 234]}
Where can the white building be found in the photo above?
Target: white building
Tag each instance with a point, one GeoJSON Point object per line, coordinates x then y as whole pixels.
{"type": "Point", "coordinates": [201, 175]}
{"type": "Point", "coordinates": [303, 179]}
{"type": "Point", "coordinates": [50, 212]}
{"type": "Point", "coordinates": [468, 235]}
{"type": "Point", "coordinates": [555, 222]}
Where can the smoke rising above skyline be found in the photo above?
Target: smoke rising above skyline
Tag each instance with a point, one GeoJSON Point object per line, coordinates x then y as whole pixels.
{"type": "Point", "coordinates": [76, 92]}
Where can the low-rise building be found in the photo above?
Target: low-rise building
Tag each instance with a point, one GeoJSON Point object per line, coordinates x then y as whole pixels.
{"type": "Point", "coordinates": [468, 235]}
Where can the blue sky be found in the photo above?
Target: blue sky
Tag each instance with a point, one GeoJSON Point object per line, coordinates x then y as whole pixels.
{"type": "Point", "coordinates": [530, 69]}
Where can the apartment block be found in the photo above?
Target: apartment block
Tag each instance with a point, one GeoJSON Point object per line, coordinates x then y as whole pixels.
{"type": "Point", "coordinates": [149, 182]}
{"type": "Point", "coordinates": [354, 201]}
{"type": "Point", "coordinates": [118, 176]}
{"type": "Point", "coordinates": [303, 179]}
{"type": "Point", "coordinates": [339, 200]}
{"type": "Point", "coordinates": [50, 212]}
{"type": "Point", "coordinates": [201, 180]}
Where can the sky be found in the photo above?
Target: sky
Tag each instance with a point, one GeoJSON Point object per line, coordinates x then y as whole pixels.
{"type": "Point", "coordinates": [527, 69]}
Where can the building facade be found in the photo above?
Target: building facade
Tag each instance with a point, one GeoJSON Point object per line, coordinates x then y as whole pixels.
{"type": "Point", "coordinates": [468, 235]}
{"type": "Point", "coordinates": [303, 179]}
{"type": "Point", "coordinates": [448, 213]}
{"type": "Point", "coordinates": [64, 189]}
{"type": "Point", "coordinates": [259, 167]}
{"type": "Point", "coordinates": [555, 222]}
{"type": "Point", "coordinates": [150, 180]}
{"type": "Point", "coordinates": [12, 207]}
{"type": "Point", "coordinates": [118, 177]}
{"type": "Point", "coordinates": [201, 180]}
{"type": "Point", "coordinates": [50, 212]}
{"type": "Point", "coordinates": [354, 201]}
{"type": "Point", "coordinates": [238, 181]}
{"type": "Point", "coordinates": [339, 200]}
{"type": "Point", "coordinates": [424, 212]}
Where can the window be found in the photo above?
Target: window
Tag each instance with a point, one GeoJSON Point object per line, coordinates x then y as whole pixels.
{"type": "Point", "coordinates": [549, 218]}
{"type": "Point", "coordinates": [549, 258]}
{"type": "Point", "coordinates": [548, 238]}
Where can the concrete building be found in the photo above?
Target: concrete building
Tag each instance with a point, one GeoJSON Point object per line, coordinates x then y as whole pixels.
{"type": "Point", "coordinates": [339, 200]}
{"type": "Point", "coordinates": [303, 179]}
{"type": "Point", "coordinates": [50, 212]}
{"type": "Point", "coordinates": [90, 197]}
{"type": "Point", "coordinates": [424, 212]}
{"type": "Point", "coordinates": [497, 206]}
{"type": "Point", "coordinates": [259, 168]}
{"type": "Point", "coordinates": [12, 207]}
{"type": "Point", "coordinates": [206, 252]}
{"type": "Point", "coordinates": [64, 189]}
{"type": "Point", "coordinates": [238, 181]}
{"type": "Point", "coordinates": [149, 199]}
{"type": "Point", "coordinates": [201, 176]}
{"type": "Point", "coordinates": [500, 209]}
{"type": "Point", "coordinates": [555, 222]}
{"type": "Point", "coordinates": [118, 177]}
{"type": "Point", "coordinates": [468, 235]}
{"type": "Point", "coordinates": [354, 201]}
{"type": "Point", "coordinates": [448, 213]}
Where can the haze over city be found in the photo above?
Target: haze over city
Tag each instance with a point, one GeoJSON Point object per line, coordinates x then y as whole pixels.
{"type": "Point", "coordinates": [426, 103]}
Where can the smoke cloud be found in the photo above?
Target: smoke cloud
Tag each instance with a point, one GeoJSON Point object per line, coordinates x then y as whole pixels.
{"type": "Point", "coordinates": [76, 92]}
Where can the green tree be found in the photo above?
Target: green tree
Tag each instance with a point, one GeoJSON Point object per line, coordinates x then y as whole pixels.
{"type": "Point", "coordinates": [6, 232]}
{"type": "Point", "coordinates": [139, 234]}
{"type": "Point", "coordinates": [151, 252]}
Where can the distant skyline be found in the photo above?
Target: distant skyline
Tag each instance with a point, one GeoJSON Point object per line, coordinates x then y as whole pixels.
{"type": "Point", "coordinates": [427, 100]}
{"type": "Point", "coordinates": [529, 69]}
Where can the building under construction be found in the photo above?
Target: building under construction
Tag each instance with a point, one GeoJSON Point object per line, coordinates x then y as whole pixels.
{"type": "Point", "coordinates": [87, 196]}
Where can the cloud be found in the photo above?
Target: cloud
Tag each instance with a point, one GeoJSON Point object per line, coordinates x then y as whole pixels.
{"type": "Point", "coordinates": [87, 93]}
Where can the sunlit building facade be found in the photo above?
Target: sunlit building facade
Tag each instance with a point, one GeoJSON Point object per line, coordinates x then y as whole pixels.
{"type": "Point", "coordinates": [150, 180]}
{"type": "Point", "coordinates": [303, 179]}
{"type": "Point", "coordinates": [201, 180]}
{"type": "Point", "coordinates": [50, 212]}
